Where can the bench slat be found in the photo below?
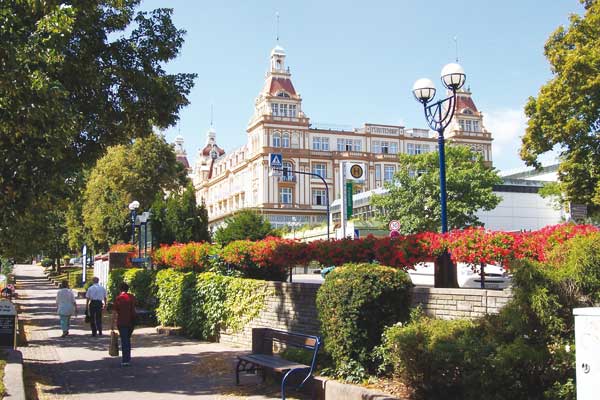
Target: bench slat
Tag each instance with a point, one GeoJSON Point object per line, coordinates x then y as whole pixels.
{"type": "Point", "coordinates": [276, 363]}
{"type": "Point", "coordinates": [290, 338]}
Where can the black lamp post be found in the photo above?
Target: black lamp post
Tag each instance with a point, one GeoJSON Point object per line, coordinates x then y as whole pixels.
{"type": "Point", "coordinates": [438, 115]}
{"type": "Point", "coordinates": [133, 206]}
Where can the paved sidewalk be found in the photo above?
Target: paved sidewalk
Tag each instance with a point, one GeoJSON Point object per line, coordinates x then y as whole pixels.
{"type": "Point", "coordinates": [79, 367]}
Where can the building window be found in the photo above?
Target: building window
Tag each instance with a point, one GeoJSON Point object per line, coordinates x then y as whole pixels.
{"type": "Point", "coordinates": [388, 173]}
{"type": "Point", "coordinates": [285, 195]}
{"type": "Point", "coordinates": [357, 145]}
{"type": "Point", "coordinates": [318, 197]}
{"type": "Point", "coordinates": [275, 109]}
{"type": "Point", "coordinates": [462, 124]}
{"type": "Point", "coordinates": [412, 148]}
{"type": "Point", "coordinates": [376, 146]}
{"type": "Point", "coordinates": [276, 140]}
{"type": "Point", "coordinates": [378, 172]}
{"type": "Point", "coordinates": [468, 126]}
{"type": "Point", "coordinates": [320, 169]}
{"type": "Point", "coordinates": [475, 126]}
{"type": "Point", "coordinates": [341, 145]}
{"type": "Point", "coordinates": [393, 148]}
{"type": "Point", "coordinates": [287, 168]}
{"type": "Point", "coordinates": [283, 110]}
{"type": "Point", "coordinates": [385, 147]}
{"type": "Point", "coordinates": [283, 94]}
{"type": "Point", "coordinates": [293, 110]}
{"type": "Point", "coordinates": [320, 143]}
{"type": "Point", "coordinates": [285, 142]}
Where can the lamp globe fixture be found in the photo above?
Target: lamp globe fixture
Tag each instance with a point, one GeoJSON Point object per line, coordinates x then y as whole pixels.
{"type": "Point", "coordinates": [453, 76]}
{"type": "Point", "coordinates": [424, 90]}
{"type": "Point", "coordinates": [134, 205]}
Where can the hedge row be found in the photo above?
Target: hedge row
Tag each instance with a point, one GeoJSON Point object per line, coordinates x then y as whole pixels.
{"type": "Point", "coordinates": [141, 284]}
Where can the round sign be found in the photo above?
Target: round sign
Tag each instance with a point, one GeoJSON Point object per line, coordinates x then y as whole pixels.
{"type": "Point", "coordinates": [356, 171]}
{"type": "Point", "coordinates": [394, 225]}
{"type": "Point", "coordinates": [394, 234]}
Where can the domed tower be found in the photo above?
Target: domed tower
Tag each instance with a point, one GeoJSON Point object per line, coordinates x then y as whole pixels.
{"type": "Point", "coordinates": [181, 154]}
{"type": "Point", "coordinates": [207, 156]}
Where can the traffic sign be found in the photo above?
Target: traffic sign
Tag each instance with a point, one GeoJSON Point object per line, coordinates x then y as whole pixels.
{"type": "Point", "coordinates": [355, 171]}
{"type": "Point", "coordinates": [394, 234]}
{"type": "Point", "coordinates": [275, 160]}
{"type": "Point", "coordinates": [394, 225]}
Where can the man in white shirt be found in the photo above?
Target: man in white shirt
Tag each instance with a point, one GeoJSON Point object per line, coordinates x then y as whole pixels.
{"type": "Point", "coordinates": [95, 302]}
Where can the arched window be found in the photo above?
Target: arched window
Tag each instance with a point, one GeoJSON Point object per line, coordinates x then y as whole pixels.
{"type": "Point", "coordinates": [283, 94]}
{"type": "Point", "coordinates": [276, 140]}
{"type": "Point", "coordinates": [467, 111]}
{"type": "Point", "coordinates": [285, 141]}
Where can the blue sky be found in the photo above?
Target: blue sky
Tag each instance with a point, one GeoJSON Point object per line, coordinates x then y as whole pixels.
{"type": "Point", "coordinates": [355, 62]}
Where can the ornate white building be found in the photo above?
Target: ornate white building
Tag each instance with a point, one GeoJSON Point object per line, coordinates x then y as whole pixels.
{"type": "Point", "coordinates": [241, 179]}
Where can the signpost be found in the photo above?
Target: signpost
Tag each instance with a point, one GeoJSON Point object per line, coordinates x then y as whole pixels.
{"type": "Point", "coordinates": [349, 203]}
{"type": "Point", "coordinates": [84, 263]}
{"type": "Point", "coordinates": [394, 226]}
{"type": "Point", "coordinates": [8, 325]}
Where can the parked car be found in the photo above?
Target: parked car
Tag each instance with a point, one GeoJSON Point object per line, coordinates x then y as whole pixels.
{"type": "Point", "coordinates": [75, 260]}
{"type": "Point", "coordinates": [496, 277]}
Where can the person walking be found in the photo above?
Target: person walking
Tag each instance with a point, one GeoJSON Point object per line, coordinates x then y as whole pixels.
{"type": "Point", "coordinates": [65, 306]}
{"type": "Point", "coordinates": [124, 320]}
{"type": "Point", "coordinates": [95, 302]}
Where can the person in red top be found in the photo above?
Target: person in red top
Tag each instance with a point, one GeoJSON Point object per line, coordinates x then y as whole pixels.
{"type": "Point", "coordinates": [123, 319]}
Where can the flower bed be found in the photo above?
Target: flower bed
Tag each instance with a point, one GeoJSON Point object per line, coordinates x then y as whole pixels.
{"type": "Point", "coordinates": [270, 258]}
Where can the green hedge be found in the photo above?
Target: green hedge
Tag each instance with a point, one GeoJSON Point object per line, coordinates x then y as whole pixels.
{"type": "Point", "coordinates": [115, 278]}
{"type": "Point", "coordinates": [141, 285]}
{"type": "Point", "coordinates": [203, 304]}
{"type": "Point", "coordinates": [174, 291]}
{"type": "Point", "coordinates": [355, 303]}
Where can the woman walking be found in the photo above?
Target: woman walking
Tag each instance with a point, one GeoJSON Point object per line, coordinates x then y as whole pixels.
{"type": "Point", "coordinates": [65, 306]}
{"type": "Point", "coordinates": [124, 321]}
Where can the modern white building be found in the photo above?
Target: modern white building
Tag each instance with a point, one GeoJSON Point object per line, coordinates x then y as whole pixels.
{"type": "Point", "coordinates": [227, 182]}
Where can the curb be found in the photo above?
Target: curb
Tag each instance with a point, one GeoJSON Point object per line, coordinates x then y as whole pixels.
{"type": "Point", "coordinates": [328, 389]}
{"type": "Point", "coordinates": [13, 376]}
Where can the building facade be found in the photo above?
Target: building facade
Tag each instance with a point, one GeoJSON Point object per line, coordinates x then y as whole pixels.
{"type": "Point", "coordinates": [228, 182]}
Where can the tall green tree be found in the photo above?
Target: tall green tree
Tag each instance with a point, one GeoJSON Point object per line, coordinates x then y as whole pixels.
{"type": "Point", "coordinates": [178, 218]}
{"type": "Point", "coordinates": [141, 171]}
{"type": "Point", "coordinates": [75, 78]}
{"type": "Point", "coordinates": [244, 225]}
{"type": "Point", "coordinates": [413, 196]}
{"type": "Point", "coordinates": [566, 112]}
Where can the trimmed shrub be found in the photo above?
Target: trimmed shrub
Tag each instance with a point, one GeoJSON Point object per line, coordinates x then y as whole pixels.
{"type": "Point", "coordinates": [141, 285]}
{"type": "Point", "coordinates": [115, 278]}
{"type": "Point", "coordinates": [355, 303]}
{"type": "Point", "coordinates": [174, 291]}
{"type": "Point", "coordinates": [223, 302]}
{"type": "Point", "coordinates": [47, 262]}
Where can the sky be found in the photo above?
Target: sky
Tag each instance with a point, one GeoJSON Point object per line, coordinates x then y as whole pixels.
{"type": "Point", "coordinates": [355, 62]}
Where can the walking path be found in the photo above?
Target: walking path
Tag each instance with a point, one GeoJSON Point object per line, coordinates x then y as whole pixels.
{"type": "Point", "coordinates": [79, 367]}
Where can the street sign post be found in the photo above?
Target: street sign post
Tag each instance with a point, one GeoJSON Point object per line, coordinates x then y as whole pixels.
{"type": "Point", "coordinates": [394, 225]}
{"type": "Point", "coordinates": [349, 203]}
{"type": "Point", "coordinates": [84, 263]}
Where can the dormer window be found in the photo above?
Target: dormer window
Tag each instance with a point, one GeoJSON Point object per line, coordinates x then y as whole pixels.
{"type": "Point", "coordinates": [467, 111]}
{"type": "Point", "coordinates": [283, 94]}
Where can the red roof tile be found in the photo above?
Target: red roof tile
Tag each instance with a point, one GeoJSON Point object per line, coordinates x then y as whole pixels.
{"type": "Point", "coordinates": [278, 84]}
{"type": "Point", "coordinates": [465, 102]}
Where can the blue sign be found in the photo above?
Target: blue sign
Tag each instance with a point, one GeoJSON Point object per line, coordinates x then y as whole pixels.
{"type": "Point", "coordinates": [275, 160]}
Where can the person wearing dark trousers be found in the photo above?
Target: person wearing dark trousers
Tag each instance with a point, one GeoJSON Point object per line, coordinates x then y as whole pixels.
{"type": "Point", "coordinates": [124, 319]}
{"type": "Point", "coordinates": [95, 303]}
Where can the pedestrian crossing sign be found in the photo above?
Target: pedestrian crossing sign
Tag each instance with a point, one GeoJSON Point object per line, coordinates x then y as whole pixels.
{"type": "Point", "coordinates": [275, 160]}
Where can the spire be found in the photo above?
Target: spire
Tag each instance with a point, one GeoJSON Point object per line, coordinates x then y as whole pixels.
{"type": "Point", "coordinates": [456, 47]}
{"type": "Point", "coordinates": [277, 27]}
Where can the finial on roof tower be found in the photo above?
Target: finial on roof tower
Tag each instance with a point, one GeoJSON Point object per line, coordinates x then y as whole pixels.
{"type": "Point", "coordinates": [456, 47]}
{"type": "Point", "coordinates": [277, 27]}
{"type": "Point", "coordinates": [211, 115]}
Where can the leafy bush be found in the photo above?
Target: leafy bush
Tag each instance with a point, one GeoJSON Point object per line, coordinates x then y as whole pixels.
{"type": "Point", "coordinates": [47, 262]}
{"type": "Point", "coordinates": [141, 285]}
{"type": "Point", "coordinates": [355, 303]}
{"type": "Point", "coordinates": [174, 291]}
{"type": "Point", "coordinates": [115, 278]}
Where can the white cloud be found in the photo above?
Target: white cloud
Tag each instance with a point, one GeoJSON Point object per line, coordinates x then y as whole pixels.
{"type": "Point", "coordinates": [507, 126]}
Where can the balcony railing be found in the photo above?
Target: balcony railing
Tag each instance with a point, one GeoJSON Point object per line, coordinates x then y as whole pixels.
{"type": "Point", "coordinates": [287, 178]}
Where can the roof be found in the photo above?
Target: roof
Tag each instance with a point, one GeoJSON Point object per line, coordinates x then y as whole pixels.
{"type": "Point", "coordinates": [275, 85]}
{"type": "Point", "coordinates": [206, 150]}
{"type": "Point", "coordinates": [183, 160]}
{"type": "Point", "coordinates": [465, 101]}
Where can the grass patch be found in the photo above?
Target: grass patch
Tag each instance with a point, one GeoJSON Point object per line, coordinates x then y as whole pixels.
{"type": "Point", "coordinates": [2, 365]}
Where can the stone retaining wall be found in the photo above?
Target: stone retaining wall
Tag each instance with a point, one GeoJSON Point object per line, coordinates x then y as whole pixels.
{"type": "Point", "coordinates": [291, 307]}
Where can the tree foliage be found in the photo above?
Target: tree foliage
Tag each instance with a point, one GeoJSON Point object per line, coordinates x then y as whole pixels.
{"type": "Point", "coordinates": [75, 79]}
{"type": "Point", "coordinates": [140, 171]}
{"type": "Point", "coordinates": [413, 197]}
{"type": "Point", "coordinates": [178, 218]}
{"type": "Point", "coordinates": [566, 111]}
{"type": "Point", "coordinates": [244, 225]}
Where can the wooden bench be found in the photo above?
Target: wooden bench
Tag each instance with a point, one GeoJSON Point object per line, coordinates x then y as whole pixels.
{"type": "Point", "coordinates": [262, 357]}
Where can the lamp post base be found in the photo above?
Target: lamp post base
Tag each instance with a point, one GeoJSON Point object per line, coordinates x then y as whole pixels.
{"type": "Point", "coordinates": [445, 273]}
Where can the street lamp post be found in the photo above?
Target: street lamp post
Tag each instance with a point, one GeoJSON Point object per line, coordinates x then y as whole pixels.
{"type": "Point", "coordinates": [293, 224]}
{"type": "Point", "coordinates": [133, 206]}
{"type": "Point", "coordinates": [438, 115]}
